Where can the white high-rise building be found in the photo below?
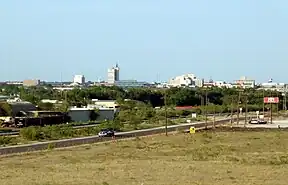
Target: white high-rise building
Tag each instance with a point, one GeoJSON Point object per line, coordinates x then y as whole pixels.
{"type": "Point", "coordinates": [113, 74]}
{"type": "Point", "coordinates": [79, 79]}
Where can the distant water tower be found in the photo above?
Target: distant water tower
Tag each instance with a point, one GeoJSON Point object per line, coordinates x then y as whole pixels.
{"type": "Point", "coordinates": [270, 80]}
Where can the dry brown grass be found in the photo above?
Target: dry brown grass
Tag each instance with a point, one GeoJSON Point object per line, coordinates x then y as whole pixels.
{"type": "Point", "coordinates": [222, 158]}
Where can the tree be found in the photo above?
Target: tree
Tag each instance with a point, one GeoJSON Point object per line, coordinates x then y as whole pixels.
{"type": "Point", "coordinates": [94, 114]}
{"type": "Point", "coordinates": [134, 120]}
{"type": "Point", "coordinates": [46, 106]}
{"type": "Point", "coordinates": [5, 109]}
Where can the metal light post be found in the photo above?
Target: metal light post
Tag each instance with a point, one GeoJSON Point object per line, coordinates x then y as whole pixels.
{"type": "Point", "coordinates": [232, 110]}
{"type": "Point", "coordinates": [214, 111]}
{"type": "Point", "coordinates": [271, 112]}
{"type": "Point", "coordinates": [285, 98]}
{"type": "Point", "coordinates": [263, 102]}
{"type": "Point", "coordinates": [166, 121]}
{"type": "Point", "coordinates": [246, 109]}
{"type": "Point", "coordinates": [238, 106]}
{"type": "Point", "coordinates": [283, 106]}
{"type": "Point", "coordinates": [206, 102]}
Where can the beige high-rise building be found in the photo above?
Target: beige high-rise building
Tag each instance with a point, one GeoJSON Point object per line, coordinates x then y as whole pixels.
{"type": "Point", "coordinates": [113, 74]}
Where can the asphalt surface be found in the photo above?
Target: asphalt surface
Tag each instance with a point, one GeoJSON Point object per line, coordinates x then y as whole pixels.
{"type": "Point", "coordinates": [95, 139]}
{"type": "Point", "coordinates": [274, 124]}
{"type": "Point", "coordinates": [15, 133]}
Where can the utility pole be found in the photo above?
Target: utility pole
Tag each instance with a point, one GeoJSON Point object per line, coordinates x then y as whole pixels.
{"type": "Point", "coordinates": [285, 98]}
{"type": "Point", "coordinates": [202, 100]}
{"type": "Point", "coordinates": [232, 109]}
{"type": "Point", "coordinates": [277, 109]}
{"type": "Point", "coordinates": [206, 118]}
{"type": "Point", "coordinates": [263, 102]}
{"type": "Point", "coordinates": [271, 113]}
{"type": "Point", "coordinates": [239, 98]}
{"type": "Point", "coordinates": [214, 111]}
{"type": "Point", "coordinates": [246, 109]}
{"type": "Point", "coordinates": [166, 121]}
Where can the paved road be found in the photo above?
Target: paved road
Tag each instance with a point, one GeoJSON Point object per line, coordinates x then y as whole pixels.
{"type": "Point", "coordinates": [275, 124]}
{"type": "Point", "coordinates": [94, 139]}
{"type": "Point", "coordinates": [15, 133]}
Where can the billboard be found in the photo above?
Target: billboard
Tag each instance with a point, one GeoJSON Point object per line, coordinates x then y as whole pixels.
{"type": "Point", "coordinates": [271, 100]}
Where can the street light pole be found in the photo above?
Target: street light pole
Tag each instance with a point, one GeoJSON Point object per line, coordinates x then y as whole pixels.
{"type": "Point", "coordinates": [263, 102]}
{"type": "Point", "coordinates": [271, 113]}
{"type": "Point", "coordinates": [232, 110]}
{"type": "Point", "coordinates": [246, 109]}
{"type": "Point", "coordinates": [214, 111]}
{"type": "Point", "coordinates": [166, 121]}
{"type": "Point", "coordinates": [206, 118]}
{"type": "Point", "coordinates": [285, 98]}
{"type": "Point", "coordinates": [239, 96]}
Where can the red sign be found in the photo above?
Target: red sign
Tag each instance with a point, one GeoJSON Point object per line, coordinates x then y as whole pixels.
{"type": "Point", "coordinates": [271, 100]}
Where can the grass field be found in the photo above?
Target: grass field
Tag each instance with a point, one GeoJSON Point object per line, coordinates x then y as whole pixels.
{"type": "Point", "coordinates": [213, 158]}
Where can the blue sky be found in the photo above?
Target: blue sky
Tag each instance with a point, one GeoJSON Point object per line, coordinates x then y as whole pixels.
{"type": "Point", "coordinates": [152, 39]}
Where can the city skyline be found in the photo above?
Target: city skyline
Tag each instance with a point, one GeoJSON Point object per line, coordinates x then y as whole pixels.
{"type": "Point", "coordinates": [154, 40]}
{"type": "Point", "coordinates": [113, 75]}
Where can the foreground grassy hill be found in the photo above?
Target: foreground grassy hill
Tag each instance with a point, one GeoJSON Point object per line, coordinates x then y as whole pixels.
{"type": "Point", "coordinates": [218, 158]}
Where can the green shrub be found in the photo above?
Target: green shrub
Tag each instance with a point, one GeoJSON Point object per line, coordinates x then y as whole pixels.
{"type": "Point", "coordinates": [31, 133]}
{"type": "Point", "coordinates": [50, 146]}
{"type": "Point", "coordinates": [57, 132]}
{"type": "Point", "coordinates": [4, 140]}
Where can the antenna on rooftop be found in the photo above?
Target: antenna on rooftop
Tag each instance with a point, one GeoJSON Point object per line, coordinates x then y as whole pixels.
{"type": "Point", "coordinates": [61, 78]}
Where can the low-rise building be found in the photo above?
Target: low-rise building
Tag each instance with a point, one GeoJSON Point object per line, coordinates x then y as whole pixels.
{"type": "Point", "coordinates": [17, 107]}
{"type": "Point", "coordinates": [244, 82]}
{"type": "Point", "coordinates": [105, 103]}
{"type": "Point", "coordinates": [84, 114]}
{"type": "Point", "coordinates": [186, 80]}
{"type": "Point", "coordinates": [51, 101]}
{"type": "Point", "coordinates": [281, 87]}
{"type": "Point", "coordinates": [30, 83]}
{"type": "Point", "coordinates": [130, 83]}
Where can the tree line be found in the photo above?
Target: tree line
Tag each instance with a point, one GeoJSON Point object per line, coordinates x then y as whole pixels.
{"type": "Point", "coordinates": [227, 97]}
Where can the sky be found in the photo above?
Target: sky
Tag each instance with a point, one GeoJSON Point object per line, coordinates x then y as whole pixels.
{"type": "Point", "coordinates": [153, 40]}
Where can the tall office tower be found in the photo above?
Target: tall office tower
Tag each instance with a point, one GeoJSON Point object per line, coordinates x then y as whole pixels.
{"type": "Point", "coordinates": [113, 74]}
{"type": "Point", "coordinates": [80, 79]}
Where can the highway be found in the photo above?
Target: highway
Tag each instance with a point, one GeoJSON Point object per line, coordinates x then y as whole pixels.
{"type": "Point", "coordinates": [15, 133]}
{"type": "Point", "coordinates": [95, 139]}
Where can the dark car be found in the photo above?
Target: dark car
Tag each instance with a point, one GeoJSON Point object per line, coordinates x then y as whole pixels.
{"type": "Point", "coordinates": [106, 133]}
{"type": "Point", "coordinates": [262, 122]}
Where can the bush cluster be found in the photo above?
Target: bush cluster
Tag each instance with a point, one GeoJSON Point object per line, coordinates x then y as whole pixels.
{"type": "Point", "coordinates": [7, 140]}
{"type": "Point", "coordinates": [55, 132]}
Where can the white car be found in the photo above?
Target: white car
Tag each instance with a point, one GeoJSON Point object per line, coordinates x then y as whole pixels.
{"type": "Point", "coordinates": [106, 133]}
{"type": "Point", "coordinates": [254, 121]}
